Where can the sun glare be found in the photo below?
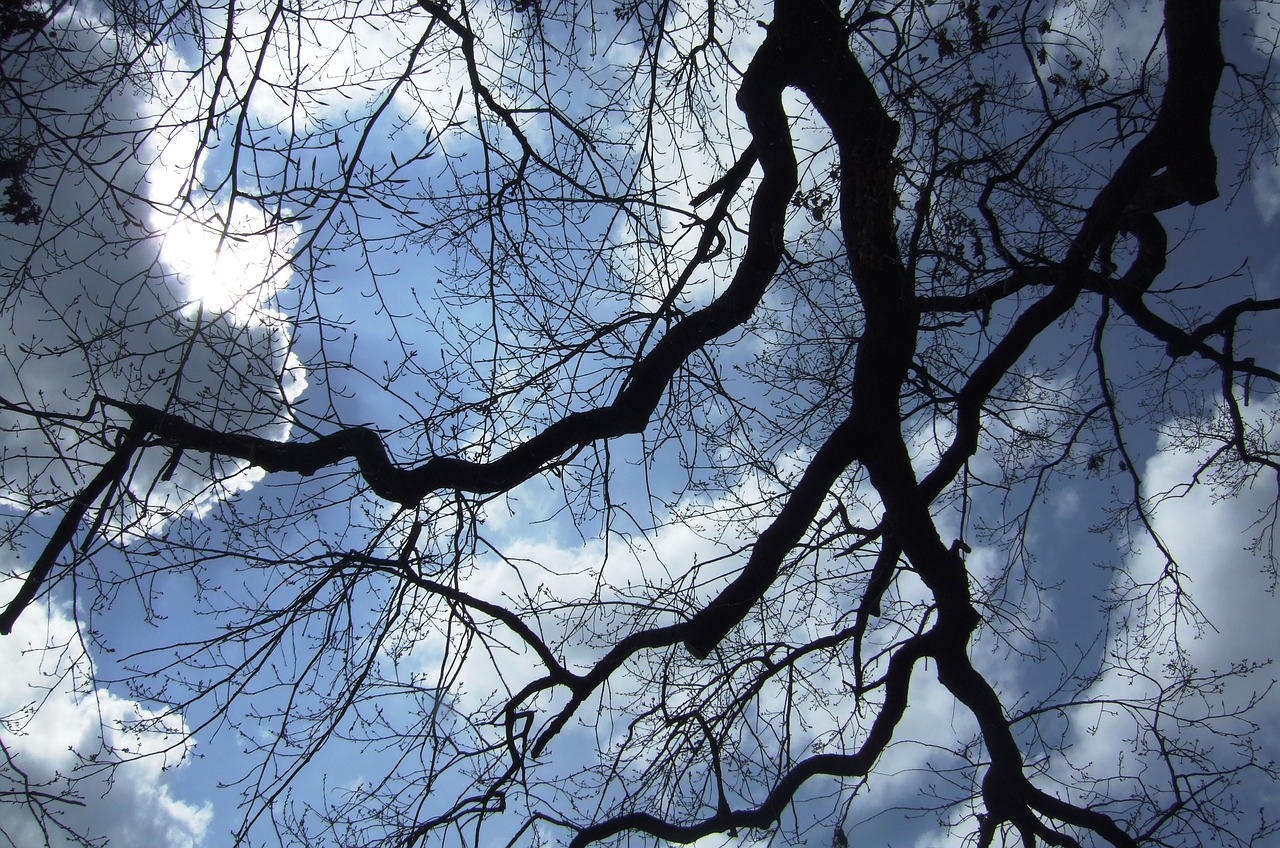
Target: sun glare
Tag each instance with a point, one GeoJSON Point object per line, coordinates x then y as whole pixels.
{"type": "Point", "coordinates": [223, 273]}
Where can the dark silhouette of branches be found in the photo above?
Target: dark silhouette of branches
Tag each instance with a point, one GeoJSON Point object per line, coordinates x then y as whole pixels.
{"type": "Point", "coordinates": [796, 315]}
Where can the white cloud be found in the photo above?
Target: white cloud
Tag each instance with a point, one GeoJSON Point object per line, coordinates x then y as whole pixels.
{"type": "Point", "coordinates": [118, 293]}
{"type": "Point", "coordinates": [1266, 190]}
{"type": "Point", "coordinates": [1260, 28]}
{"type": "Point", "coordinates": [326, 59]}
{"type": "Point", "coordinates": [595, 575]}
{"type": "Point", "coordinates": [111, 754]}
{"type": "Point", "coordinates": [1211, 531]}
{"type": "Point", "coordinates": [1227, 617]}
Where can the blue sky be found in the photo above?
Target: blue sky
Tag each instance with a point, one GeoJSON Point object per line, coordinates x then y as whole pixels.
{"type": "Point", "coordinates": [237, 302]}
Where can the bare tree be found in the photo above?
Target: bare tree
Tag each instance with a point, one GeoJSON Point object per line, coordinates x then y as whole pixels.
{"type": "Point", "coordinates": [794, 314]}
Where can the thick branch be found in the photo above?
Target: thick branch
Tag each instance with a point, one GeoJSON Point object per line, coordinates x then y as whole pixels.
{"type": "Point", "coordinates": [1178, 142]}
{"type": "Point", "coordinates": [806, 48]}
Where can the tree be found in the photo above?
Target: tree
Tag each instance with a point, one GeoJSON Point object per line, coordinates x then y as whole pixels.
{"type": "Point", "coordinates": [330, 325]}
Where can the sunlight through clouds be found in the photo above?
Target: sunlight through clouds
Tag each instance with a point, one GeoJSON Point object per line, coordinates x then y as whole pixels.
{"type": "Point", "coordinates": [175, 310]}
{"type": "Point", "coordinates": [234, 269]}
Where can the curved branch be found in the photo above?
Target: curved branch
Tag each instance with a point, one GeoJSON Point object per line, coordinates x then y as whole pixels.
{"type": "Point", "coordinates": [897, 688]}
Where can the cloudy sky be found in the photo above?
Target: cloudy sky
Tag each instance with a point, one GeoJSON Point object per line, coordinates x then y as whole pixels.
{"type": "Point", "coordinates": [185, 297]}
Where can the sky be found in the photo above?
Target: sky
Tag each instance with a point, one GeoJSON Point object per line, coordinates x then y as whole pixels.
{"type": "Point", "coordinates": [199, 299]}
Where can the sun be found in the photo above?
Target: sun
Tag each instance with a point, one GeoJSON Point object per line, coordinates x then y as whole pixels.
{"type": "Point", "coordinates": [224, 270]}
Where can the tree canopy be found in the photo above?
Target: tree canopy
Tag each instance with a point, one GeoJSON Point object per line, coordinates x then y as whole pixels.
{"type": "Point", "coordinates": [539, 422]}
